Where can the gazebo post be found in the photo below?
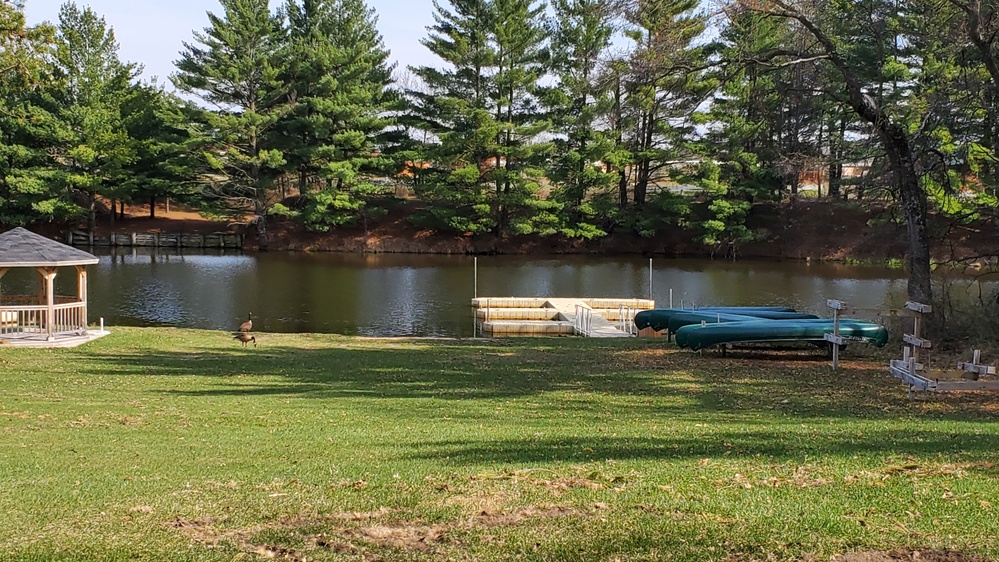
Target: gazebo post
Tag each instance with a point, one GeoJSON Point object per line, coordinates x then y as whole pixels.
{"type": "Point", "coordinates": [4, 317]}
{"type": "Point", "coordinates": [81, 293]}
{"type": "Point", "coordinates": [47, 298]}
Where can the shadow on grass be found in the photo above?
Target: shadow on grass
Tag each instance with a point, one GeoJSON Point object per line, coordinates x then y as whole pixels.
{"type": "Point", "coordinates": [653, 378]}
{"type": "Point", "coordinates": [762, 442]}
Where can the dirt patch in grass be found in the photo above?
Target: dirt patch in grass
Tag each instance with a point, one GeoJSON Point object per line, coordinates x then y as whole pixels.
{"type": "Point", "coordinates": [400, 536]}
{"type": "Point", "coordinates": [909, 555]}
{"type": "Point", "coordinates": [376, 530]}
{"type": "Point", "coordinates": [486, 519]}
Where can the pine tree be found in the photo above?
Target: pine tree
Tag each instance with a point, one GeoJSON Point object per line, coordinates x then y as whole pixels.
{"type": "Point", "coordinates": [232, 67]}
{"type": "Point", "coordinates": [521, 59]}
{"type": "Point", "coordinates": [482, 114]}
{"type": "Point", "coordinates": [744, 115]}
{"type": "Point", "coordinates": [164, 145]}
{"type": "Point", "coordinates": [29, 176]}
{"type": "Point", "coordinates": [453, 110]}
{"type": "Point", "coordinates": [335, 70]}
{"type": "Point", "coordinates": [92, 84]}
{"type": "Point", "coordinates": [662, 89]}
{"type": "Point", "coordinates": [581, 33]}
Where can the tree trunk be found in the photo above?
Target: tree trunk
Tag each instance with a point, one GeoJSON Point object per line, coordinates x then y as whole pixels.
{"type": "Point", "coordinates": [836, 169]}
{"type": "Point", "coordinates": [914, 205]}
{"type": "Point", "coordinates": [641, 182]}
{"type": "Point", "coordinates": [622, 186]}
{"type": "Point", "coordinates": [262, 237]}
{"type": "Point", "coordinates": [152, 206]}
{"type": "Point", "coordinates": [92, 212]}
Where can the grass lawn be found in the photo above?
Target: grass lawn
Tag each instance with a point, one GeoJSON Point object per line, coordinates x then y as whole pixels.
{"type": "Point", "coordinates": [164, 444]}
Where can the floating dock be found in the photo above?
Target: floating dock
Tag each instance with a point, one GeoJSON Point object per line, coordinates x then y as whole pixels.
{"type": "Point", "coordinates": [592, 317]}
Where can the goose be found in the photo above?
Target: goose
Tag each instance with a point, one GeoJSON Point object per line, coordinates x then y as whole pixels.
{"type": "Point", "coordinates": [245, 338]}
{"type": "Point", "coordinates": [248, 325]}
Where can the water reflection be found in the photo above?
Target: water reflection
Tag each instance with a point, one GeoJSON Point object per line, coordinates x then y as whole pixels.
{"type": "Point", "coordinates": [395, 294]}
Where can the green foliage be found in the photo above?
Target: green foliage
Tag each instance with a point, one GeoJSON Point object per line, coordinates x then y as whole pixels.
{"type": "Point", "coordinates": [330, 208]}
{"type": "Point", "coordinates": [533, 124]}
{"type": "Point", "coordinates": [664, 210]}
{"type": "Point", "coordinates": [166, 159]}
{"type": "Point", "coordinates": [481, 112]}
{"type": "Point", "coordinates": [334, 68]}
{"type": "Point", "coordinates": [581, 33]}
{"type": "Point", "coordinates": [232, 66]}
{"type": "Point", "coordinates": [91, 86]}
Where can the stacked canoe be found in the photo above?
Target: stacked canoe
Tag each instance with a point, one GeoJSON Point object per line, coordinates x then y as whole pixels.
{"type": "Point", "coordinates": [710, 326]}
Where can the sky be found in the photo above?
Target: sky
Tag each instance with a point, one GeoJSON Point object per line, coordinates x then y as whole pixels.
{"type": "Point", "coordinates": [152, 32]}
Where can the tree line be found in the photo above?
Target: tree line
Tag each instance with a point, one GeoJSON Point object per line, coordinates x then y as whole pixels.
{"type": "Point", "coordinates": [562, 118]}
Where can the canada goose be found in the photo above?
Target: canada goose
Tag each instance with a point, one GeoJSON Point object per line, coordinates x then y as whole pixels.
{"type": "Point", "coordinates": [248, 325]}
{"type": "Point", "coordinates": [245, 338]}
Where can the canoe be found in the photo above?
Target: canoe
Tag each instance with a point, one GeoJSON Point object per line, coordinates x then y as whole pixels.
{"type": "Point", "coordinates": [658, 318]}
{"type": "Point", "coordinates": [698, 337]}
{"type": "Point", "coordinates": [761, 311]}
{"type": "Point", "coordinates": [680, 320]}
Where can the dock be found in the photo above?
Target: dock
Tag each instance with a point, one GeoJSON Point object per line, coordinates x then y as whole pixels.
{"type": "Point", "coordinates": [591, 317]}
{"type": "Point", "coordinates": [218, 240]}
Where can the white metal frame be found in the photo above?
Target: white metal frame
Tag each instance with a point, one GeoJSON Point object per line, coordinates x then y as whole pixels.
{"type": "Point", "coordinates": [582, 322]}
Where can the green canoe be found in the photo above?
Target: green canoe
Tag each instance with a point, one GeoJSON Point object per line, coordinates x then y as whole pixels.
{"type": "Point", "coordinates": [698, 337]}
{"type": "Point", "coordinates": [680, 320]}
{"type": "Point", "coordinates": [659, 318]}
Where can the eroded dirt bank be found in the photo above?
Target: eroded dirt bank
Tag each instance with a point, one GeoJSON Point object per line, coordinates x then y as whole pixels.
{"type": "Point", "coordinates": [812, 230]}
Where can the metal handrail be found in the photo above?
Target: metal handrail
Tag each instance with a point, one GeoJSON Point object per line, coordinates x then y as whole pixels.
{"type": "Point", "coordinates": [626, 320]}
{"type": "Point", "coordinates": [583, 321]}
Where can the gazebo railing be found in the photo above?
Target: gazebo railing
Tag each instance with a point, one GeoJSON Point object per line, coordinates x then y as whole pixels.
{"type": "Point", "coordinates": [68, 316]}
{"type": "Point", "coordinates": [22, 300]}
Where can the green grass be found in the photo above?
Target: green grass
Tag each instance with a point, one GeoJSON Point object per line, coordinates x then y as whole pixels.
{"type": "Point", "coordinates": [161, 444]}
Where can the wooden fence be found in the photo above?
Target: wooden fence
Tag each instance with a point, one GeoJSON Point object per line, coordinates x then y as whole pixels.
{"type": "Point", "coordinates": [157, 240]}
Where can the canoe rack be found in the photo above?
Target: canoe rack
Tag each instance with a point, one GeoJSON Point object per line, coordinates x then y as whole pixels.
{"type": "Point", "coordinates": [910, 369]}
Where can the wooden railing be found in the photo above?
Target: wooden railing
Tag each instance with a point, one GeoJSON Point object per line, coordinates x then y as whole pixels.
{"type": "Point", "coordinates": [220, 240]}
{"type": "Point", "coordinates": [21, 300]}
{"type": "Point", "coordinates": [68, 316]}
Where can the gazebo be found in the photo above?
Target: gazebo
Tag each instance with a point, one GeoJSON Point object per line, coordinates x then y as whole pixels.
{"type": "Point", "coordinates": [44, 319]}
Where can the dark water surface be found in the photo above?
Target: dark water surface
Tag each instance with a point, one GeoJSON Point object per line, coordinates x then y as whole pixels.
{"type": "Point", "coordinates": [402, 294]}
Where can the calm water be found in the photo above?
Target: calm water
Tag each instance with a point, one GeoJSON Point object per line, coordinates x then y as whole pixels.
{"type": "Point", "coordinates": [390, 295]}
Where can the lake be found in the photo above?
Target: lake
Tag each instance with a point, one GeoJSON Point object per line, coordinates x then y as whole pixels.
{"type": "Point", "coordinates": [428, 295]}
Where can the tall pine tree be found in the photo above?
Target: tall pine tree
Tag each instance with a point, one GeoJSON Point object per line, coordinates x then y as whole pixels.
{"type": "Point", "coordinates": [231, 66]}
{"type": "Point", "coordinates": [452, 109]}
{"type": "Point", "coordinates": [92, 84]}
{"type": "Point", "coordinates": [166, 162]}
{"type": "Point", "coordinates": [581, 32]}
{"type": "Point", "coordinates": [29, 178]}
{"type": "Point", "coordinates": [335, 70]}
{"type": "Point", "coordinates": [482, 114]}
{"type": "Point", "coordinates": [662, 90]}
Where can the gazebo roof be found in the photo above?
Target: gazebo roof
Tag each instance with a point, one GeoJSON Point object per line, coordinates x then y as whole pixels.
{"type": "Point", "coordinates": [23, 248]}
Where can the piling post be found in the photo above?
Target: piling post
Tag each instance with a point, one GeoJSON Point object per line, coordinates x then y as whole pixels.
{"type": "Point", "coordinates": [650, 278]}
